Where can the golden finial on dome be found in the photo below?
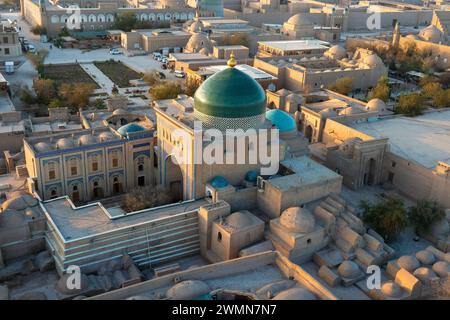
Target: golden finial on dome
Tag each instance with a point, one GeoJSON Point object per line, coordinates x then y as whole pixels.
{"type": "Point", "coordinates": [231, 62]}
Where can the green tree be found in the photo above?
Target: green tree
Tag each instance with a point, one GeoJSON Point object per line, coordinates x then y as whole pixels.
{"type": "Point", "coordinates": [410, 104]}
{"type": "Point", "coordinates": [38, 30]}
{"type": "Point", "coordinates": [381, 90]}
{"type": "Point", "coordinates": [37, 59]}
{"type": "Point", "coordinates": [388, 217]}
{"type": "Point", "coordinates": [45, 90]}
{"type": "Point", "coordinates": [342, 85]}
{"type": "Point", "coordinates": [125, 21]}
{"type": "Point", "coordinates": [55, 103]}
{"type": "Point", "coordinates": [166, 90]}
{"type": "Point", "coordinates": [442, 99]}
{"type": "Point", "coordinates": [424, 214]}
{"type": "Point", "coordinates": [76, 95]}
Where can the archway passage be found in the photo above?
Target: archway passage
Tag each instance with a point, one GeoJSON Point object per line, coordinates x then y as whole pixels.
{"type": "Point", "coordinates": [308, 133]}
{"type": "Point", "coordinates": [97, 191]}
{"type": "Point", "coordinates": [370, 177]}
{"type": "Point", "coordinates": [75, 194]}
{"type": "Point", "coordinates": [174, 179]}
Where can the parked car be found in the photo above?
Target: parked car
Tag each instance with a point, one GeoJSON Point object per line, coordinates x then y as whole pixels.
{"type": "Point", "coordinates": [179, 74]}
{"type": "Point", "coordinates": [31, 48]}
{"type": "Point", "coordinates": [114, 51]}
{"type": "Point", "coordinates": [156, 55]}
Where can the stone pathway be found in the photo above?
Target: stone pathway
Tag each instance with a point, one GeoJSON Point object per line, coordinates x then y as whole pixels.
{"type": "Point", "coordinates": [102, 80]}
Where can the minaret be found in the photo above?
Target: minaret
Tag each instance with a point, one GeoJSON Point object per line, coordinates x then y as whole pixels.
{"type": "Point", "coordinates": [396, 36]}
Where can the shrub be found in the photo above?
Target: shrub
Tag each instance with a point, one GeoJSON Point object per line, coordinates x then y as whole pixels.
{"type": "Point", "coordinates": [165, 90]}
{"type": "Point", "coordinates": [342, 86]}
{"type": "Point", "coordinates": [424, 214]}
{"type": "Point", "coordinates": [410, 104]}
{"type": "Point", "coordinates": [388, 217]}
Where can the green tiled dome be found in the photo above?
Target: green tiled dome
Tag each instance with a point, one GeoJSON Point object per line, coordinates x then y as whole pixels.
{"type": "Point", "coordinates": [230, 93]}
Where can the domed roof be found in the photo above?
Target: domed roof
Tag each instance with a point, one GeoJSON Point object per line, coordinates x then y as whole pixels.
{"type": "Point", "coordinates": [375, 105]}
{"type": "Point", "coordinates": [65, 143]}
{"type": "Point", "coordinates": [410, 263]}
{"type": "Point", "coordinates": [349, 269]}
{"type": "Point", "coordinates": [442, 268]}
{"type": "Point", "coordinates": [251, 176]}
{"type": "Point", "coordinates": [391, 289]}
{"type": "Point", "coordinates": [238, 220]}
{"type": "Point", "coordinates": [283, 92]}
{"type": "Point", "coordinates": [424, 274]}
{"type": "Point", "coordinates": [187, 290]}
{"type": "Point", "coordinates": [230, 93]}
{"type": "Point", "coordinates": [119, 111]}
{"type": "Point", "coordinates": [196, 26]}
{"type": "Point", "coordinates": [130, 128]}
{"type": "Point", "coordinates": [297, 219]}
{"type": "Point", "coordinates": [42, 147]}
{"type": "Point", "coordinates": [198, 41]}
{"type": "Point", "coordinates": [294, 98]}
{"type": "Point", "coordinates": [87, 139]}
{"type": "Point", "coordinates": [106, 136]}
{"type": "Point", "coordinates": [350, 111]}
{"type": "Point", "coordinates": [336, 52]}
{"type": "Point", "coordinates": [281, 120]}
{"type": "Point", "coordinates": [425, 257]}
{"type": "Point", "coordinates": [295, 294]}
{"type": "Point", "coordinates": [219, 182]}
{"type": "Point", "coordinates": [300, 19]}
{"type": "Point", "coordinates": [431, 33]}
{"type": "Point", "coordinates": [373, 61]}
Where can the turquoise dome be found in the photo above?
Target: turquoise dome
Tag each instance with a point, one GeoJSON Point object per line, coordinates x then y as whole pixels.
{"type": "Point", "coordinates": [219, 182]}
{"type": "Point", "coordinates": [251, 176]}
{"type": "Point", "coordinates": [230, 93]}
{"type": "Point", "coordinates": [281, 120]}
{"type": "Point", "coordinates": [130, 128]}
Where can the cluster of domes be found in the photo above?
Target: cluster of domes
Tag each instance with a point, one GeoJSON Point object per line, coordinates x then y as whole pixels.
{"type": "Point", "coordinates": [198, 42]}
{"type": "Point", "coordinates": [65, 143]}
{"type": "Point", "coordinates": [298, 219]}
{"type": "Point", "coordinates": [409, 263]}
{"type": "Point", "coordinates": [425, 257]}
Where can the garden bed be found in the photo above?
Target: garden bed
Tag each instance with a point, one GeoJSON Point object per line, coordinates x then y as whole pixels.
{"type": "Point", "coordinates": [67, 73]}
{"type": "Point", "coordinates": [119, 73]}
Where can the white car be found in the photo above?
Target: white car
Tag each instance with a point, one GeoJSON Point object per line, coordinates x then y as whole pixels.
{"type": "Point", "coordinates": [31, 48]}
{"type": "Point", "coordinates": [179, 74]}
{"type": "Point", "coordinates": [114, 51]}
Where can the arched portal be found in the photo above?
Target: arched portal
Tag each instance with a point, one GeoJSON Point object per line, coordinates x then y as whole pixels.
{"type": "Point", "coordinates": [308, 133]}
{"type": "Point", "coordinates": [174, 179]}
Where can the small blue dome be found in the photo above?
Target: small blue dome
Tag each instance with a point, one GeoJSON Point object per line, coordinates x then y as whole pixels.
{"type": "Point", "coordinates": [281, 120]}
{"type": "Point", "coordinates": [219, 182]}
{"type": "Point", "coordinates": [251, 176]}
{"type": "Point", "coordinates": [130, 128]}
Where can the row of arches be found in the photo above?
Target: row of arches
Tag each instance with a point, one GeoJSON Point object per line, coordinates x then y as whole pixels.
{"type": "Point", "coordinates": [83, 18]}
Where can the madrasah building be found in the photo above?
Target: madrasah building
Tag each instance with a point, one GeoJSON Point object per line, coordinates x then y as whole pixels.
{"type": "Point", "coordinates": [108, 160]}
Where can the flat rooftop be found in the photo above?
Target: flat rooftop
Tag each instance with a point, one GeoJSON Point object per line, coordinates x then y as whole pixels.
{"type": "Point", "coordinates": [296, 45]}
{"type": "Point", "coordinates": [424, 139]}
{"type": "Point", "coordinates": [89, 220]}
{"type": "Point", "coordinates": [305, 172]}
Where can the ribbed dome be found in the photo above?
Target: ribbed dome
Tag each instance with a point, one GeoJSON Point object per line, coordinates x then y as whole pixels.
{"type": "Point", "coordinates": [375, 105]}
{"type": "Point", "coordinates": [230, 93]}
{"type": "Point", "coordinates": [300, 19]}
{"type": "Point", "coordinates": [410, 263]}
{"type": "Point", "coordinates": [130, 128]}
{"type": "Point", "coordinates": [295, 294]}
{"type": "Point", "coordinates": [281, 120]}
{"type": "Point", "coordinates": [238, 220]}
{"type": "Point", "coordinates": [348, 269]}
{"type": "Point", "coordinates": [297, 219]}
{"type": "Point", "coordinates": [197, 42]}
